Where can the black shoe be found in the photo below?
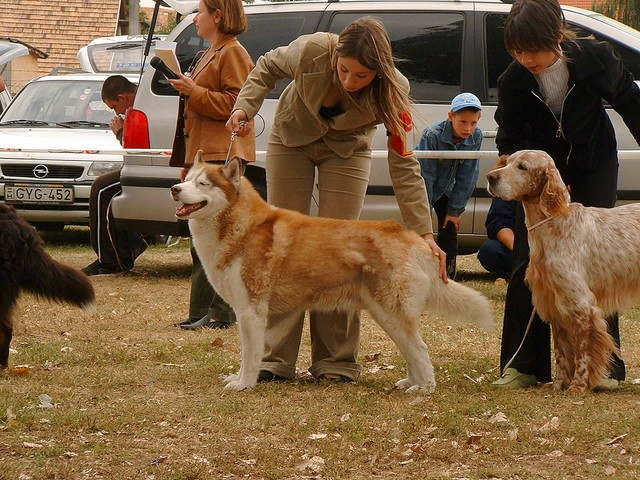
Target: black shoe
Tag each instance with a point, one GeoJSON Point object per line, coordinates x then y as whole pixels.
{"type": "Point", "coordinates": [188, 321]}
{"type": "Point", "coordinates": [97, 268]}
{"type": "Point", "coordinates": [197, 325]}
{"type": "Point", "coordinates": [267, 376]}
{"type": "Point", "coordinates": [220, 325]}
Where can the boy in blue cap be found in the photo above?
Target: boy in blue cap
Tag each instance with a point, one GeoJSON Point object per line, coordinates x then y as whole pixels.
{"type": "Point", "coordinates": [450, 183]}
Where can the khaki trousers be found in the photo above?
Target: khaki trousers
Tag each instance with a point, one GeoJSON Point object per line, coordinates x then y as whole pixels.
{"type": "Point", "coordinates": [342, 185]}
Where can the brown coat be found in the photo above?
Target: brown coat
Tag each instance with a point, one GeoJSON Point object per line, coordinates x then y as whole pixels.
{"type": "Point", "coordinates": [219, 76]}
{"type": "Point", "coordinates": [298, 120]}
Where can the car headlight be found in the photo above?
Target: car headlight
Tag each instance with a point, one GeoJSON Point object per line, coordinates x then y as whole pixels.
{"type": "Point", "coordinates": [98, 168]}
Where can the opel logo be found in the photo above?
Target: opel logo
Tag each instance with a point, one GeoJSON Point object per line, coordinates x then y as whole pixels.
{"type": "Point", "coordinates": [40, 171]}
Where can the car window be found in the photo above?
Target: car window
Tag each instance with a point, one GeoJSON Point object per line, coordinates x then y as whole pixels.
{"type": "Point", "coordinates": [120, 55]}
{"type": "Point", "coordinates": [498, 59]}
{"type": "Point", "coordinates": [429, 47]}
{"type": "Point", "coordinates": [630, 57]}
{"type": "Point", "coordinates": [266, 31]}
{"type": "Point", "coordinates": [60, 101]}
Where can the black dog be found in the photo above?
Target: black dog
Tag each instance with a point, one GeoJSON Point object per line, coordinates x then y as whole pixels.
{"type": "Point", "coordinates": [25, 265]}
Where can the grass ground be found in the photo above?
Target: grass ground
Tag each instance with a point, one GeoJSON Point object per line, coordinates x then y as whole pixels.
{"type": "Point", "coordinates": [126, 395]}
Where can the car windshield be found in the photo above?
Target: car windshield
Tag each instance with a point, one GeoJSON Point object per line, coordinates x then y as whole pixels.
{"type": "Point", "coordinates": [72, 103]}
{"type": "Point", "coordinates": [115, 54]}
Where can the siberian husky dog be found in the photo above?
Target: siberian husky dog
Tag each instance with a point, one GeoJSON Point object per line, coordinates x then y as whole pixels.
{"type": "Point", "coordinates": [266, 261]}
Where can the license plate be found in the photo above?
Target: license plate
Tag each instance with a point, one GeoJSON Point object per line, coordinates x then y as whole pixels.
{"type": "Point", "coordinates": [38, 194]}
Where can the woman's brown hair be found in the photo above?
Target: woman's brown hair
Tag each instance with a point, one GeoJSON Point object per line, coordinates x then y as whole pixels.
{"type": "Point", "coordinates": [367, 40]}
{"type": "Point", "coordinates": [234, 20]}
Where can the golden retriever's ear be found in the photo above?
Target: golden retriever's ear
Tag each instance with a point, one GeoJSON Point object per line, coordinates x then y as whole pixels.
{"type": "Point", "coordinates": [502, 162]}
{"type": "Point", "coordinates": [554, 199]}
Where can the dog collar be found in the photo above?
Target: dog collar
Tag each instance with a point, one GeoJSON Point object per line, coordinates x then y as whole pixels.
{"type": "Point", "coordinates": [541, 222]}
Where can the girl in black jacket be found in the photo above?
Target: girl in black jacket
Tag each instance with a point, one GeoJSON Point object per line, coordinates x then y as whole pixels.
{"type": "Point", "coordinates": [551, 98]}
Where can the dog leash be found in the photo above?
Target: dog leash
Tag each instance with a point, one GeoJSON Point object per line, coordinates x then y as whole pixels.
{"type": "Point", "coordinates": [526, 332]}
{"type": "Point", "coordinates": [233, 137]}
{"type": "Point", "coordinates": [533, 312]}
{"type": "Point", "coordinates": [541, 222]}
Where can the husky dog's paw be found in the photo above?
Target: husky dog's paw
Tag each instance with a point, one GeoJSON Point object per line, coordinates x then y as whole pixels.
{"type": "Point", "coordinates": [421, 389]}
{"type": "Point", "coordinates": [237, 385]}
{"type": "Point", "coordinates": [411, 387]}
{"type": "Point", "coordinates": [234, 377]}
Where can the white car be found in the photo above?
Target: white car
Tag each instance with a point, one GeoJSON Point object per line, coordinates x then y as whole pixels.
{"type": "Point", "coordinates": [52, 138]}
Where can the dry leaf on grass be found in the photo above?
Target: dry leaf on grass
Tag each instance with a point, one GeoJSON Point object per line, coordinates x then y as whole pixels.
{"type": "Point", "coordinates": [615, 440]}
{"type": "Point", "coordinates": [551, 425]}
{"type": "Point", "coordinates": [372, 357]}
{"type": "Point", "coordinates": [45, 401]}
{"type": "Point", "coordinates": [377, 368]}
{"type": "Point", "coordinates": [31, 445]}
{"type": "Point", "coordinates": [498, 418]}
{"type": "Point", "coordinates": [314, 464]}
{"type": "Point", "coordinates": [21, 370]}
{"type": "Point", "coordinates": [556, 453]}
{"type": "Point", "coordinates": [12, 420]}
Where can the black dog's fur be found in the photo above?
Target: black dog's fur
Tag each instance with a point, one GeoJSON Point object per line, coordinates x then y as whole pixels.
{"type": "Point", "coordinates": [25, 265]}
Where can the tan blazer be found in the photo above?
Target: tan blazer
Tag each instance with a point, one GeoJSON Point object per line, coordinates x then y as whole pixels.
{"type": "Point", "coordinates": [219, 76]}
{"type": "Point", "coordinates": [298, 121]}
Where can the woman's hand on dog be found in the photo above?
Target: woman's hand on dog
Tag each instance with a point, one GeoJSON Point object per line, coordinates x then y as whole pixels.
{"type": "Point", "coordinates": [440, 255]}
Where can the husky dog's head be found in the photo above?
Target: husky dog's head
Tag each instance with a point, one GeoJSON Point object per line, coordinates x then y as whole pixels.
{"type": "Point", "coordinates": [207, 189]}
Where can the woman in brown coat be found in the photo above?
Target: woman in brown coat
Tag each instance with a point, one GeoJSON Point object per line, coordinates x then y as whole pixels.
{"type": "Point", "coordinates": [206, 99]}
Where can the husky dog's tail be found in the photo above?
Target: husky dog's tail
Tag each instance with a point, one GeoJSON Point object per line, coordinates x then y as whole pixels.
{"type": "Point", "coordinates": [452, 301]}
{"type": "Point", "coordinates": [457, 303]}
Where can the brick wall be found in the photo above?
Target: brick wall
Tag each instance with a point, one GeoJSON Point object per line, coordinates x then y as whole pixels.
{"type": "Point", "coordinates": [57, 27]}
{"type": "Point", "coordinates": [588, 4]}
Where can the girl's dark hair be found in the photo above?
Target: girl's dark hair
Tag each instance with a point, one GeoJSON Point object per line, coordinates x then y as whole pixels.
{"type": "Point", "coordinates": [536, 25]}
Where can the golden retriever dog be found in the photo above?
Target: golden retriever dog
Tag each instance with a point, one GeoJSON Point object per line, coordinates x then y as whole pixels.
{"type": "Point", "coordinates": [584, 264]}
{"type": "Point", "coordinates": [271, 261]}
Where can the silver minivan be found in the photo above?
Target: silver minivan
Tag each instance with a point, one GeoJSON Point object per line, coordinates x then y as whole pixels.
{"type": "Point", "coordinates": [444, 47]}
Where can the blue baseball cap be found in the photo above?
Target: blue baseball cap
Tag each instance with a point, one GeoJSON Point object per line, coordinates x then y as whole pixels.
{"type": "Point", "coordinates": [465, 100]}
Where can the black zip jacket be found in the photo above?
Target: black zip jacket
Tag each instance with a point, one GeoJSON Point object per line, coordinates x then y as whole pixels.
{"type": "Point", "coordinates": [583, 140]}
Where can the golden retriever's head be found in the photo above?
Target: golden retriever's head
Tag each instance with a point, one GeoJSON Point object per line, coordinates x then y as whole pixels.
{"type": "Point", "coordinates": [529, 175]}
